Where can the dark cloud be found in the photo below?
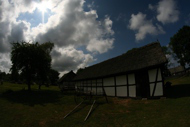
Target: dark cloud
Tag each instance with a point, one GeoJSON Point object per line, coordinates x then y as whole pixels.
{"type": "Point", "coordinates": [1, 11]}
{"type": "Point", "coordinates": [27, 2]}
{"type": "Point", "coordinates": [17, 32]}
{"type": "Point", "coordinates": [66, 64]}
{"type": "Point", "coordinates": [4, 44]}
{"type": "Point", "coordinates": [11, 32]}
{"type": "Point", "coordinates": [55, 53]}
{"type": "Point", "coordinates": [5, 64]}
{"type": "Point", "coordinates": [4, 47]}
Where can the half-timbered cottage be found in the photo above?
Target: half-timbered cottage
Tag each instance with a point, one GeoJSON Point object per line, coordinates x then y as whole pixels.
{"type": "Point", "coordinates": [137, 73]}
{"type": "Point", "coordinates": [66, 82]}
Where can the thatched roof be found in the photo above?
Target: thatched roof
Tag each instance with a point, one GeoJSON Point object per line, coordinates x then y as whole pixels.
{"type": "Point", "coordinates": [135, 59]}
{"type": "Point", "coordinates": [68, 77]}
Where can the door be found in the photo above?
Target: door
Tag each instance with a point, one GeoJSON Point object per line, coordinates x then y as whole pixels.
{"type": "Point", "coordinates": [142, 84]}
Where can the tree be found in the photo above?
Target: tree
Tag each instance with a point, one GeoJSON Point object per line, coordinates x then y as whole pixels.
{"type": "Point", "coordinates": [80, 70]}
{"type": "Point", "coordinates": [32, 60]}
{"type": "Point", "coordinates": [44, 66]}
{"type": "Point", "coordinates": [166, 51]}
{"type": "Point", "coordinates": [1, 78]}
{"type": "Point", "coordinates": [180, 44]}
{"type": "Point", "coordinates": [14, 74]}
{"type": "Point", "coordinates": [54, 77]}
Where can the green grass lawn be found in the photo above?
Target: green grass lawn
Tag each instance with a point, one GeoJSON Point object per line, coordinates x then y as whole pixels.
{"type": "Point", "coordinates": [47, 107]}
{"type": "Point", "coordinates": [178, 80]}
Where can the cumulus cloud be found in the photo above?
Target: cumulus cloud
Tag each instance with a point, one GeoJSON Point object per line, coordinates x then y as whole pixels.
{"type": "Point", "coordinates": [4, 46]}
{"type": "Point", "coordinates": [13, 8]}
{"type": "Point", "coordinates": [75, 27]}
{"type": "Point", "coordinates": [66, 59]}
{"type": "Point", "coordinates": [143, 26]}
{"type": "Point", "coordinates": [100, 46]}
{"type": "Point", "coordinates": [68, 26]}
{"type": "Point", "coordinates": [19, 31]}
{"type": "Point", "coordinates": [5, 62]}
{"type": "Point", "coordinates": [12, 30]}
{"type": "Point", "coordinates": [167, 11]}
{"type": "Point", "coordinates": [172, 61]}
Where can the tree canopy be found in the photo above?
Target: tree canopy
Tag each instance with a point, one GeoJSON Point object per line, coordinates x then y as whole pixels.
{"type": "Point", "coordinates": [33, 60]}
{"type": "Point", "coordinates": [180, 44]}
{"type": "Point", "coordinates": [54, 77]}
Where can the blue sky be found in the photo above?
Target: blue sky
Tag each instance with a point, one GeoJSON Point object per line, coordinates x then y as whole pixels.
{"type": "Point", "coordinates": [120, 13]}
{"type": "Point", "coordinates": [86, 32]}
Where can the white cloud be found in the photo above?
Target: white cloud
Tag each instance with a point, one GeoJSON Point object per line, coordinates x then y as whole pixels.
{"type": "Point", "coordinates": [12, 30]}
{"type": "Point", "coordinates": [71, 26]}
{"type": "Point", "coordinates": [66, 59]}
{"type": "Point", "coordinates": [13, 8]}
{"type": "Point", "coordinates": [167, 11]}
{"type": "Point", "coordinates": [172, 62]}
{"type": "Point", "coordinates": [100, 46]}
{"type": "Point", "coordinates": [5, 62]}
{"type": "Point", "coordinates": [143, 26]}
{"type": "Point", "coordinates": [68, 26]}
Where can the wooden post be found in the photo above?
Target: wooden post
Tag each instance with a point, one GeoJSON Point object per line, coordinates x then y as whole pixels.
{"type": "Point", "coordinates": [115, 86]}
{"type": "Point", "coordinates": [89, 111]}
{"type": "Point", "coordinates": [73, 110]}
{"type": "Point", "coordinates": [127, 85]}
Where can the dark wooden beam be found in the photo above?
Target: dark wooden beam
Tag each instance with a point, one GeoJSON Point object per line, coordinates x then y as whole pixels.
{"type": "Point", "coordinates": [96, 86]}
{"type": "Point", "coordinates": [163, 88]}
{"type": "Point", "coordinates": [91, 84]}
{"type": "Point", "coordinates": [115, 86]}
{"type": "Point", "coordinates": [155, 82]}
{"type": "Point", "coordinates": [127, 81]}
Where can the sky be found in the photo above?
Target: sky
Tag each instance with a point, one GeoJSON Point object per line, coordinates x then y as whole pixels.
{"type": "Point", "coordinates": [86, 32]}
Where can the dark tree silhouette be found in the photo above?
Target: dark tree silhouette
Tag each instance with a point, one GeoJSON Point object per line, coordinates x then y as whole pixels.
{"type": "Point", "coordinates": [79, 70]}
{"type": "Point", "coordinates": [1, 77]}
{"type": "Point", "coordinates": [180, 44]}
{"type": "Point", "coordinates": [14, 74]}
{"type": "Point", "coordinates": [166, 51]}
{"type": "Point", "coordinates": [53, 77]}
{"type": "Point", "coordinates": [32, 60]}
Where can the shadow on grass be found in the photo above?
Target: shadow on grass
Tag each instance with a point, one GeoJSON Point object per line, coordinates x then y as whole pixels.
{"type": "Point", "coordinates": [178, 91]}
{"type": "Point", "coordinates": [68, 92]}
{"type": "Point", "coordinates": [32, 98]}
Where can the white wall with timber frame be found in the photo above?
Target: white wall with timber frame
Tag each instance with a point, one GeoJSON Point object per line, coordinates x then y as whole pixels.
{"type": "Point", "coordinates": [124, 85]}
{"type": "Point", "coordinates": [156, 82]}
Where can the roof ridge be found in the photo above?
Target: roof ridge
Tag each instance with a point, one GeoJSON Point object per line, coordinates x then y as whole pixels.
{"type": "Point", "coordinates": [123, 54]}
{"type": "Point", "coordinates": [143, 57]}
{"type": "Point", "coordinates": [150, 44]}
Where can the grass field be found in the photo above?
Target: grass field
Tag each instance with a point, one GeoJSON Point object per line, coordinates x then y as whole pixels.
{"type": "Point", "coordinates": [47, 107]}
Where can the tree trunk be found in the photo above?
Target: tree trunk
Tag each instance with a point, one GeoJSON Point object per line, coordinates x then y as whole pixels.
{"type": "Point", "coordinates": [29, 87]}
{"type": "Point", "coordinates": [39, 87]}
{"type": "Point", "coordinates": [29, 84]}
{"type": "Point", "coordinates": [29, 81]}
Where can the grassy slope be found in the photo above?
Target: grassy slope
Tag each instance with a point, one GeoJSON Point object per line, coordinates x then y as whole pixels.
{"type": "Point", "coordinates": [178, 80]}
{"type": "Point", "coordinates": [48, 107]}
